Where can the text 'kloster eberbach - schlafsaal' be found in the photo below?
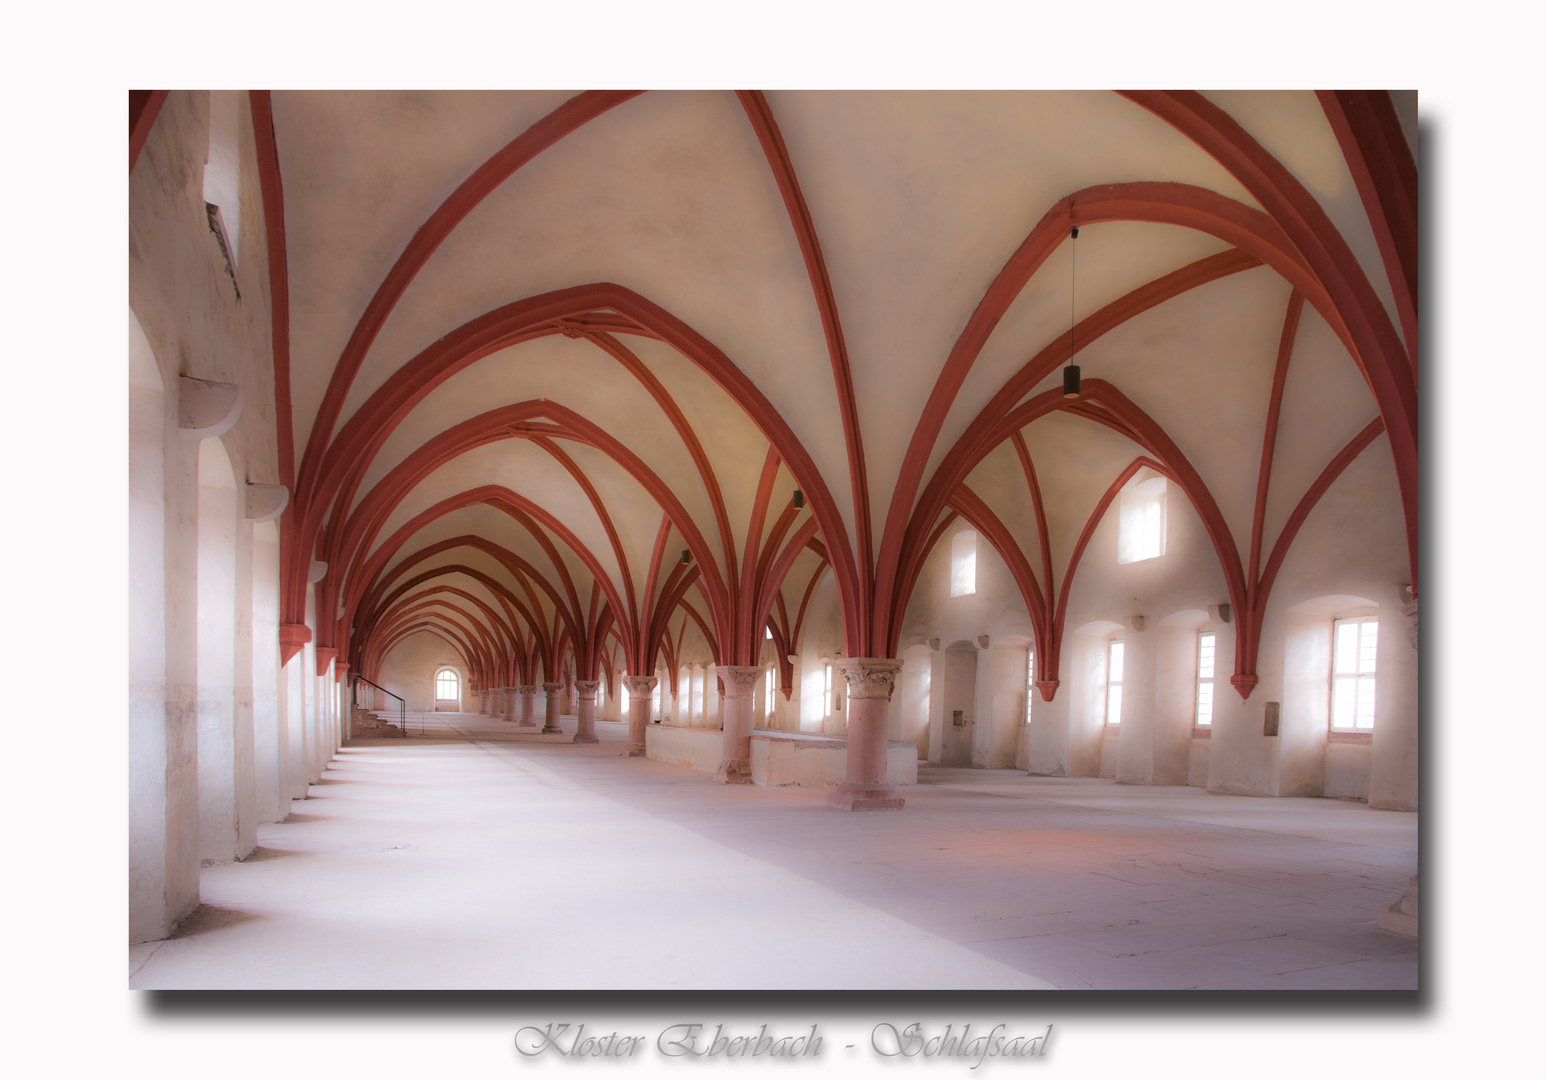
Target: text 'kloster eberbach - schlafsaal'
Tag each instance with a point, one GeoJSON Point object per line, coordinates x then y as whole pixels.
{"type": "Point", "coordinates": [698, 1041]}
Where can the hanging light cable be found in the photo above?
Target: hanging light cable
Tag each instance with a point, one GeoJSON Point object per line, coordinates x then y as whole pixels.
{"type": "Point", "coordinates": [1072, 371]}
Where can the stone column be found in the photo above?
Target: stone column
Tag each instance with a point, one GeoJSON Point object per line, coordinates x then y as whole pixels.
{"type": "Point", "coordinates": [865, 786]}
{"type": "Point", "coordinates": [641, 699]}
{"type": "Point", "coordinates": [585, 709]}
{"type": "Point", "coordinates": [508, 704]}
{"type": "Point", "coordinates": [528, 713]}
{"type": "Point", "coordinates": [736, 763]}
{"type": "Point", "coordinates": [555, 691]}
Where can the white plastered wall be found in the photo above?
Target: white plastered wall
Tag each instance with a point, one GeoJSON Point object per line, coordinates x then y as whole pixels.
{"type": "Point", "coordinates": [186, 320]}
{"type": "Point", "coordinates": [408, 669]}
{"type": "Point", "coordinates": [1350, 545]}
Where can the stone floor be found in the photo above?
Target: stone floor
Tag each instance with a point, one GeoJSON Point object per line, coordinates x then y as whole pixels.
{"type": "Point", "coordinates": [485, 856]}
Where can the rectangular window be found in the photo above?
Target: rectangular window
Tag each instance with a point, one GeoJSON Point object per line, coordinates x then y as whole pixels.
{"type": "Point", "coordinates": [1031, 680]}
{"type": "Point", "coordinates": [1114, 683]}
{"type": "Point", "coordinates": [1203, 713]}
{"type": "Point", "coordinates": [1141, 519]}
{"type": "Point", "coordinates": [964, 563]}
{"type": "Point", "coordinates": [827, 690]}
{"type": "Point", "coordinates": [768, 695]}
{"type": "Point", "coordinates": [1353, 673]}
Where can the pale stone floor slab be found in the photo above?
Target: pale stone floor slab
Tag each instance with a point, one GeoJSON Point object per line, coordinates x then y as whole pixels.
{"type": "Point", "coordinates": [485, 856]}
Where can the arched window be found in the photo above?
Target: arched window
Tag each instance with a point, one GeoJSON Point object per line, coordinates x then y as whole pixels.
{"type": "Point", "coordinates": [447, 685]}
{"type": "Point", "coordinates": [964, 563]}
{"type": "Point", "coordinates": [768, 694]}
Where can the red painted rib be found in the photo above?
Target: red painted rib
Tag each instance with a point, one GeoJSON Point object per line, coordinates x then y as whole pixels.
{"type": "Point", "coordinates": [636, 367]}
{"type": "Point", "coordinates": [144, 107]}
{"type": "Point", "coordinates": [1382, 165]}
{"type": "Point", "coordinates": [763, 123]}
{"type": "Point", "coordinates": [569, 116]}
{"type": "Point", "coordinates": [1357, 311]}
{"type": "Point", "coordinates": [1286, 345]}
{"type": "Point", "coordinates": [1167, 203]}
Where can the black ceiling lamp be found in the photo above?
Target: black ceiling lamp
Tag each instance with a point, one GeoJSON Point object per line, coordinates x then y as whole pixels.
{"type": "Point", "coordinates": [1072, 371]}
{"type": "Point", "coordinates": [799, 500]}
{"type": "Point", "coordinates": [687, 557]}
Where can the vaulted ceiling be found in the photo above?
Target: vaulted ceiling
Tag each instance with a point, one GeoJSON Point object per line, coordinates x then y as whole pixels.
{"type": "Point", "coordinates": [536, 345]}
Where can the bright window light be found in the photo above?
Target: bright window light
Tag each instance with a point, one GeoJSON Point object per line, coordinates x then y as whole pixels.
{"type": "Point", "coordinates": [1203, 713]}
{"type": "Point", "coordinates": [768, 694]}
{"type": "Point", "coordinates": [1141, 519]}
{"type": "Point", "coordinates": [1031, 679]}
{"type": "Point", "coordinates": [827, 690]}
{"type": "Point", "coordinates": [446, 685]}
{"type": "Point", "coordinates": [964, 563]}
{"type": "Point", "coordinates": [1115, 683]}
{"type": "Point", "coordinates": [1353, 673]}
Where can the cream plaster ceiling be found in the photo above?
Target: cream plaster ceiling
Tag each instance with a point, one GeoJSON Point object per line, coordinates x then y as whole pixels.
{"type": "Point", "coordinates": [917, 200]}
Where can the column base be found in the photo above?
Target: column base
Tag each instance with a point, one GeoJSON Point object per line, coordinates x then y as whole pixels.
{"type": "Point", "coordinates": [637, 753]}
{"type": "Point", "coordinates": [581, 737]}
{"type": "Point", "coordinates": [527, 723]}
{"type": "Point", "coordinates": [847, 796]}
{"type": "Point", "coordinates": [732, 771]}
{"type": "Point", "coordinates": [554, 730]}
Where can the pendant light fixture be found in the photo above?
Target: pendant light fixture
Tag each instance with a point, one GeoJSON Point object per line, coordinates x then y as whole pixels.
{"type": "Point", "coordinates": [1072, 371]}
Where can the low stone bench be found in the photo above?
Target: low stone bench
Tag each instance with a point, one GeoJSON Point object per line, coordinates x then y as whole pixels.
{"type": "Point", "coordinates": [779, 758]}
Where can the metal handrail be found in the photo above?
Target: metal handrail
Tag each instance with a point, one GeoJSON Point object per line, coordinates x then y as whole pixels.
{"type": "Point", "coordinates": [402, 706]}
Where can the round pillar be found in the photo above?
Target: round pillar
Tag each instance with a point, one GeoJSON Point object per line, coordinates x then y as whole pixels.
{"type": "Point", "coordinates": [736, 763]}
{"type": "Point", "coordinates": [528, 711]}
{"type": "Point", "coordinates": [865, 787]}
{"type": "Point", "coordinates": [508, 704]}
{"type": "Point", "coordinates": [641, 701]}
{"type": "Point", "coordinates": [585, 710]}
{"type": "Point", "coordinates": [551, 726]}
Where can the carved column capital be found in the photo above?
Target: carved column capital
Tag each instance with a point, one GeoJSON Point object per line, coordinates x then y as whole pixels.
{"type": "Point", "coordinates": [532, 689]}
{"type": "Point", "coordinates": [587, 686]}
{"type": "Point", "coordinates": [552, 687]}
{"type": "Point", "coordinates": [640, 685]}
{"type": "Point", "coordinates": [870, 678]}
{"type": "Point", "coordinates": [738, 680]}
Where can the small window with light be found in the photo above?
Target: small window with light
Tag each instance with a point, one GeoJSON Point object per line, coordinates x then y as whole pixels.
{"type": "Point", "coordinates": [1114, 683]}
{"type": "Point", "coordinates": [964, 563]}
{"type": "Point", "coordinates": [447, 685]}
{"type": "Point", "coordinates": [1203, 699]}
{"type": "Point", "coordinates": [1141, 518]}
{"type": "Point", "coordinates": [1354, 644]}
{"type": "Point", "coordinates": [1031, 680]}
